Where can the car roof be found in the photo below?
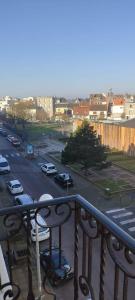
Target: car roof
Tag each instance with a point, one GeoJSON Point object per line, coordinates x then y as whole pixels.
{"type": "Point", "coordinates": [40, 221]}
{"type": "Point", "coordinates": [2, 159]}
{"type": "Point", "coordinates": [46, 197]}
{"type": "Point", "coordinates": [49, 165]}
{"type": "Point", "coordinates": [64, 174]}
{"type": "Point", "coordinates": [25, 198]}
{"type": "Point", "coordinates": [16, 181]}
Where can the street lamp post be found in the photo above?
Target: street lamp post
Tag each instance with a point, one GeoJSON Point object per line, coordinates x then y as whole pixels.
{"type": "Point", "coordinates": [43, 197]}
{"type": "Point", "coordinates": [38, 264]}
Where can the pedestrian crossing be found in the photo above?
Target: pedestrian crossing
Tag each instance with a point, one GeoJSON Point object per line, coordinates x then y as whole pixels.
{"type": "Point", "coordinates": [124, 217]}
{"type": "Point", "coordinates": [14, 154]}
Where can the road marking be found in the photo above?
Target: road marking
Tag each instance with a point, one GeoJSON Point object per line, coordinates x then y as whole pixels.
{"type": "Point", "coordinates": [131, 229]}
{"type": "Point", "coordinates": [18, 154]}
{"type": "Point", "coordinates": [41, 164]}
{"type": "Point", "coordinates": [127, 221]}
{"type": "Point", "coordinates": [6, 155]}
{"type": "Point", "coordinates": [114, 210]}
{"type": "Point", "coordinates": [122, 215]}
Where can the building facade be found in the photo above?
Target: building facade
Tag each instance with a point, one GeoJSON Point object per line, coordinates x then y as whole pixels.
{"type": "Point", "coordinates": [48, 104]}
{"type": "Point", "coordinates": [129, 110]}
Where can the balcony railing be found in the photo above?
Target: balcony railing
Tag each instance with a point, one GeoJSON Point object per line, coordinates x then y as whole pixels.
{"type": "Point", "coordinates": [101, 253]}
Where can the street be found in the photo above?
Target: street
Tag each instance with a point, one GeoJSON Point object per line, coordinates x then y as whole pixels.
{"type": "Point", "coordinates": [35, 183]}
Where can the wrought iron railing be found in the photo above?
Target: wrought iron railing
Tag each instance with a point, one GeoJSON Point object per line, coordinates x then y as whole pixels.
{"type": "Point", "coordinates": [103, 254]}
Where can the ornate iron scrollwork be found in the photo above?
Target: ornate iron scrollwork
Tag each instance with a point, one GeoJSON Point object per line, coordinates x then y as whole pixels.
{"type": "Point", "coordinates": [62, 213]}
{"type": "Point", "coordinates": [13, 223]}
{"type": "Point", "coordinates": [8, 293]}
{"type": "Point", "coordinates": [86, 288]}
{"type": "Point", "coordinates": [50, 293]}
{"type": "Point", "coordinates": [89, 225]}
{"type": "Point", "coordinates": [114, 246]}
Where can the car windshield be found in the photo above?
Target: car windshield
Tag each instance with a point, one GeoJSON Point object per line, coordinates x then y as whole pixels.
{"type": "Point", "coordinates": [51, 168]}
{"type": "Point", "coordinates": [65, 176]}
{"type": "Point", "coordinates": [17, 185]}
{"type": "Point", "coordinates": [3, 164]}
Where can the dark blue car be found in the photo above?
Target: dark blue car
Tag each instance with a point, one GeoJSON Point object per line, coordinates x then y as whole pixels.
{"type": "Point", "coordinates": [56, 266]}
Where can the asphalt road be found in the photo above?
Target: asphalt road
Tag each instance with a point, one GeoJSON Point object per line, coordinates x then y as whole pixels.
{"type": "Point", "coordinates": [36, 183]}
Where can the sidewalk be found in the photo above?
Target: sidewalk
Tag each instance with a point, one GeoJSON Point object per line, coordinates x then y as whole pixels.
{"type": "Point", "coordinates": [20, 268]}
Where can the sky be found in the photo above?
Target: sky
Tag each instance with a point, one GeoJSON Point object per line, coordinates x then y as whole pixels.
{"type": "Point", "coordinates": [66, 48]}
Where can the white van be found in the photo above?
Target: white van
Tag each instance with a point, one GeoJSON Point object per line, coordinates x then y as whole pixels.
{"type": "Point", "coordinates": [43, 233]}
{"type": "Point", "coordinates": [4, 165]}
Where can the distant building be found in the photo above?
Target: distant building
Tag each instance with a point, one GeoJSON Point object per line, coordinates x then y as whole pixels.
{"type": "Point", "coordinates": [48, 104]}
{"type": "Point", "coordinates": [98, 111]}
{"type": "Point", "coordinates": [28, 99]}
{"type": "Point", "coordinates": [129, 110]}
{"type": "Point", "coordinates": [63, 110]}
{"type": "Point", "coordinates": [116, 108]}
{"type": "Point", "coordinates": [5, 104]}
{"type": "Point", "coordinates": [98, 99]}
{"type": "Point", "coordinates": [81, 112]}
{"type": "Point", "coordinates": [7, 98]}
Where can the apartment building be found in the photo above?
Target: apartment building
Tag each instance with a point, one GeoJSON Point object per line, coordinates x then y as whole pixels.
{"type": "Point", "coordinates": [117, 108]}
{"type": "Point", "coordinates": [48, 105]}
{"type": "Point", "coordinates": [98, 112]}
{"type": "Point", "coordinates": [129, 110]}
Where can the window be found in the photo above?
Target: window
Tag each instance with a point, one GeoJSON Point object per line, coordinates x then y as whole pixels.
{"type": "Point", "coordinates": [3, 164]}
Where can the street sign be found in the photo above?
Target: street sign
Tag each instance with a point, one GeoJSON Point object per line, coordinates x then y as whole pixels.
{"type": "Point", "coordinates": [30, 149]}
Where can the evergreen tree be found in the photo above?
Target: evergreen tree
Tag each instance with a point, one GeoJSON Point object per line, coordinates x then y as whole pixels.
{"type": "Point", "coordinates": [84, 147]}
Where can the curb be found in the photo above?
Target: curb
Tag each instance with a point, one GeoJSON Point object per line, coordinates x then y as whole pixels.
{"type": "Point", "coordinates": [130, 171]}
{"type": "Point", "coordinates": [84, 177]}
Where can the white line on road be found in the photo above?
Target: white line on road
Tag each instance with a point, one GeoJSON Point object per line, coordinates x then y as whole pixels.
{"type": "Point", "coordinates": [18, 154]}
{"type": "Point", "coordinates": [6, 155]}
{"type": "Point", "coordinates": [122, 215]}
{"type": "Point", "coordinates": [114, 210]}
{"type": "Point", "coordinates": [131, 229]}
{"type": "Point", "coordinates": [127, 221]}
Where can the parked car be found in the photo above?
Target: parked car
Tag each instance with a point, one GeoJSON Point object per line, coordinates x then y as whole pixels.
{"type": "Point", "coordinates": [10, 137]}
{"type": "Point", "coordinates": [14, 187]}
{"type": "Point", "coordinates": [23, 199]}
{"type": "Point", "coordinates": [49, 168]}
{"type": "Point", "coordinates": [64, 179]}
{"type": "Point", "coordinates": [43, 231]}
{"type": "Point", "coordinates": [15, 142]}
{"type": "Point", "coordinates": [4, 165]}
{"type": "Point", "coordinates": [4, 132]}
{"type": "Point", "coordinates": [56, 266]}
